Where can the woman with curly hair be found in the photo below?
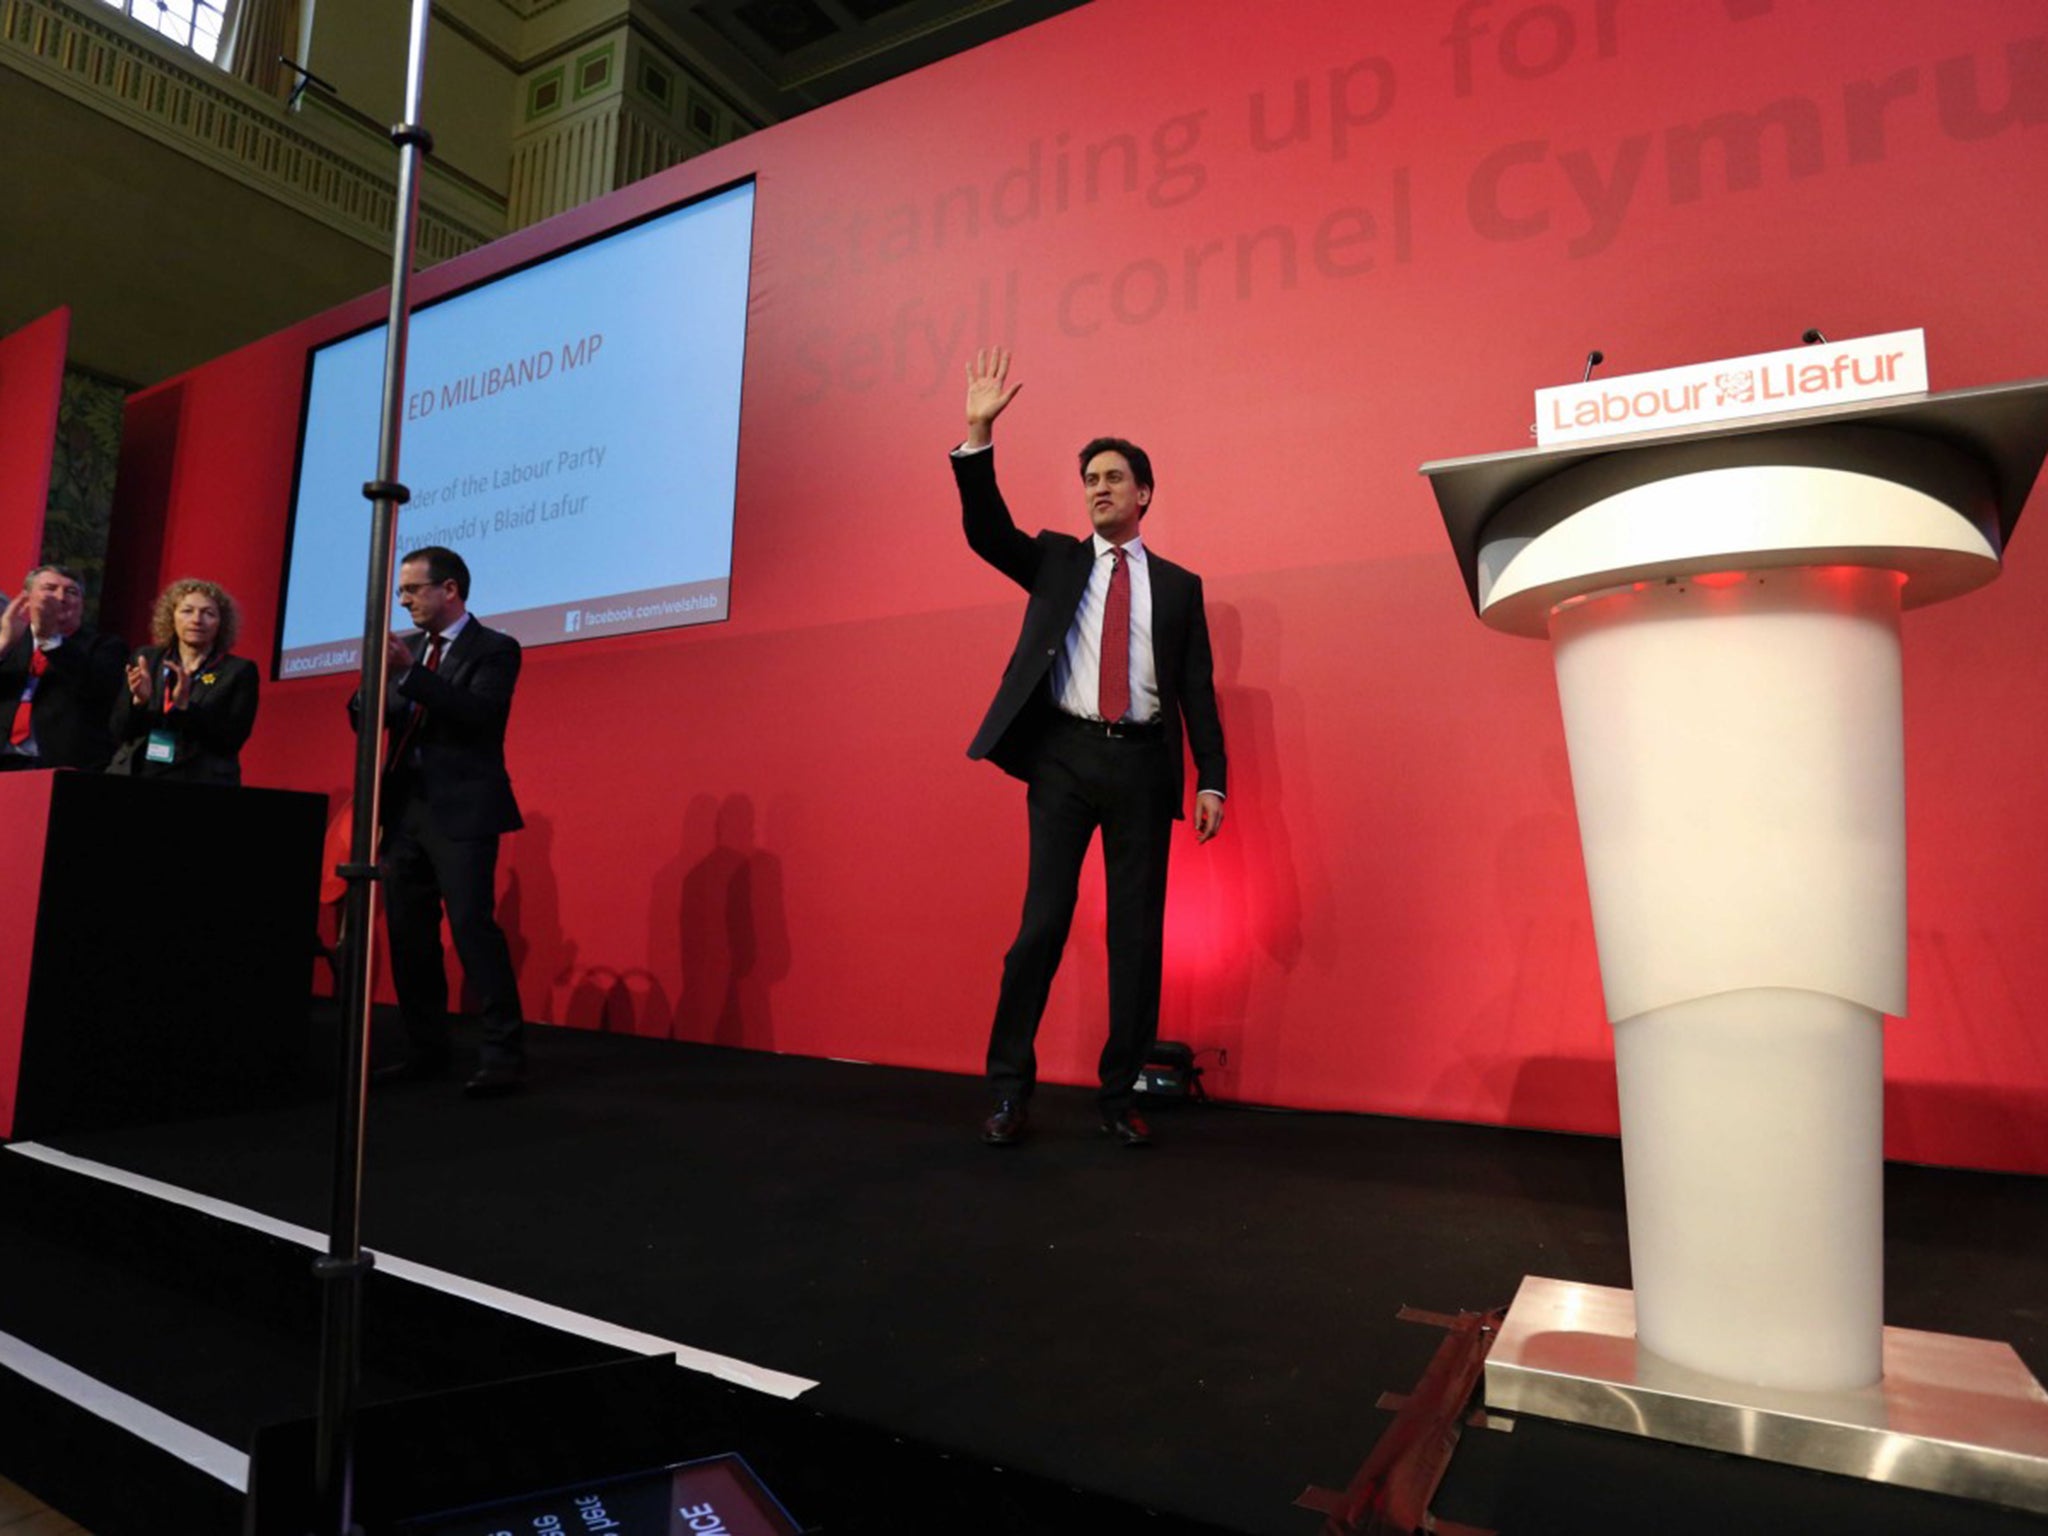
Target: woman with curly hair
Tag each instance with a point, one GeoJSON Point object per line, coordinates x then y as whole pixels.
{"type": "Point", "coordinates": [189, 704]}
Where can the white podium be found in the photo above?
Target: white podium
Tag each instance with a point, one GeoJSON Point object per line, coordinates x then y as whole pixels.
{"type": "Point", "coordinates": [1723, 607]}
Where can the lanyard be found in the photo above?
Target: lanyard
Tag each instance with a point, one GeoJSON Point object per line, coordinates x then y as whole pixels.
{"type": "Point", "coordinates": [169, 684]}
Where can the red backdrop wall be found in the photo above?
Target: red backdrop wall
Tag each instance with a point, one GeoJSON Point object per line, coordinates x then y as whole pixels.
{"type": "Point", "coordinates": [1295, 250]}
{"type": "Point", "coordinates": [31, 391]}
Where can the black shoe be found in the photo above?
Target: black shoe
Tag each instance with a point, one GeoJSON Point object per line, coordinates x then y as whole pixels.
{"type": "Point", "coordinates": [494, 1080]}
{"type": "Point", "coordinates": [414, 1069]}
{"type": "Point", "coordinates": [1006, 1125]}
{"type": "Point", "coordinates": [1127, 1130]}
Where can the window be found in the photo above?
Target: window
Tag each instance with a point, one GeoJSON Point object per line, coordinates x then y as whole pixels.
{"type": "Point", "coordinates": [194, 24]}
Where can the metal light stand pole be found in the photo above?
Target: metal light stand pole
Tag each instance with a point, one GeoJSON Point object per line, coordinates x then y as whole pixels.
{"type": "Point", "coordinates": [342, 1269]}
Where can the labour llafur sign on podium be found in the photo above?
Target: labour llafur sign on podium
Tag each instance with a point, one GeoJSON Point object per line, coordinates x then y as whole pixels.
{"type": "Point", "coordinates": [1796, 379]}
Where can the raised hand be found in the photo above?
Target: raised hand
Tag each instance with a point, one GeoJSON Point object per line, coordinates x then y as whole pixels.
{"type": "Point", "coordinates": [140, 684]}
{"type": "Point", "coordinates": [13, 620]}
{"type": "Point", "coordinates": [988, 393]}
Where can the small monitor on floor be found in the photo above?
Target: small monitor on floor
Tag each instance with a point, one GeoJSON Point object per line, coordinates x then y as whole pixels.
{"type": "Point", "coordinates": [718, 1496]}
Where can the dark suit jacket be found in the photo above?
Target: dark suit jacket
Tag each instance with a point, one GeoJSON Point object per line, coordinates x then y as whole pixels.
{"type": "Point", "coordinates": [209, 731]}
{"type": "Point", "coordinates": [1053, 568]}
{"type": "Point", "coordinates": [75, 698]}
{"type": "Point", "coordinates": [461, 739]}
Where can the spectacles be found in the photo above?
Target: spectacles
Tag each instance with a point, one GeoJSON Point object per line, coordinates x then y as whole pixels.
{"type": "Point", "coordinates": [415, 588]}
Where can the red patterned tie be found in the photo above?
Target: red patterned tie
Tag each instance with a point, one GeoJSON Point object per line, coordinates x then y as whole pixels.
{"type": "Point", "coordinates": [37, 666]}
{"type": "Point", "coordinates": [400, 746]}
{"type": "Point", "coordinates": [1113, 689]}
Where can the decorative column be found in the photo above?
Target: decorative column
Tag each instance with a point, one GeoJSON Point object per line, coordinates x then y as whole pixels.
{"type": "Point", "coordinates": [614, 109]}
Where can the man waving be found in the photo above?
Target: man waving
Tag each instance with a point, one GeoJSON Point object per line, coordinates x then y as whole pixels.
{"type": "Point", "coordinates": [1111, 665]}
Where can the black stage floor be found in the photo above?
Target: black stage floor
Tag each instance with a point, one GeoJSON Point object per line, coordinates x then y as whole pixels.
{"type": "Point", "coordinates": [1203, 1328]}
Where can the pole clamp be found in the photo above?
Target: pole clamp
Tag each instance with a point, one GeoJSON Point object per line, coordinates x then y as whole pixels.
{"type": "Point", "coordinates": [328, 1267]}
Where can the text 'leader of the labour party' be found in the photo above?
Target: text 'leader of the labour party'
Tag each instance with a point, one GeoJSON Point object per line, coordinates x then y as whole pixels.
{"type": "Point", "coordinates": [1112, 658]}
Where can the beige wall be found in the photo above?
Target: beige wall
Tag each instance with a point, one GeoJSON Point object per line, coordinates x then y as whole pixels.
{"type": "Point", "coordinates": [174, 241]}
{"type": "Point", "coordinates": [471, 82]}
{"type": "Point", "coordinates": [163, 261]}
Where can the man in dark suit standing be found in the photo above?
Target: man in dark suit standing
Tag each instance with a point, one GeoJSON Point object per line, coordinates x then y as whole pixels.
{"type": "Point", "coordinates": [1113, 656]}
{"type": "Point", "coordinates": [58, 680]}
{"type": "Point", "coordinates": [447, 799]}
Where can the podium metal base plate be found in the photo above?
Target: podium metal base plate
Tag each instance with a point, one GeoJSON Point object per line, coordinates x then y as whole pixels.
{"type": "Point", "coordinates": [1952, 1415]}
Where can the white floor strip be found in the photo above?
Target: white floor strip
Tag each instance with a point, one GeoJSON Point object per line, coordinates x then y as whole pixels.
{"type": "Point", "coordinates": [724, 1367]}
{"type": "Point", "coordinates": [214, 1457]}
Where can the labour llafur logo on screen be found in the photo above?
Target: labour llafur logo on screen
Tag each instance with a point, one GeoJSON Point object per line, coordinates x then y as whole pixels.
{"type": "Point", "coordinates": [1739, 387]}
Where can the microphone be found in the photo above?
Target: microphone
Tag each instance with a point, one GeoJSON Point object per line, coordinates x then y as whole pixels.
{"type": "Point", "coordinates": [1594, 359]}
{"type": "Point", "coordinates": [1812, 337]}
{"type": "Point", "coordinates": [306, 78]}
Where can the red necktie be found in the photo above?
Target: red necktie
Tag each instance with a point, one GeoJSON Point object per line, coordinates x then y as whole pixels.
{"type": "Point", "coordinates": [1113, 689]}
{"type": "Point", "coordinates": [419, 711]}
{"type": "Point", "coordinates": [37, 666]}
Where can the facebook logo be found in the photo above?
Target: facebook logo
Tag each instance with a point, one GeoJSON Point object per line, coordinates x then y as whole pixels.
{"type": "Point", "coordinates": [572, 621]}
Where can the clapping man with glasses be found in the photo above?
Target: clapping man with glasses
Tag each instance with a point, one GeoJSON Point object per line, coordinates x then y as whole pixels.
{"type": "Point", "coordinates": [446, 801]}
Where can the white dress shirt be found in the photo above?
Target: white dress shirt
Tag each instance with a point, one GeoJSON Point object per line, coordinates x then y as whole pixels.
{"type": "Point", "coordinates": [1077, 670]}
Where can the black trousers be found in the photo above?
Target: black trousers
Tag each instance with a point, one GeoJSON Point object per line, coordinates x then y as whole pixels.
{"type": "Point", "coordinates": [1079, 783]}
{"type": "Point", "coordinates": [426, 871]}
